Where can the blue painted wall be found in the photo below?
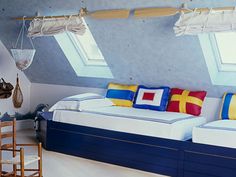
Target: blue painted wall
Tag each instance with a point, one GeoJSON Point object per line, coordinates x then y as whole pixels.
{"type": "Point", "coordinates": [143, 51]}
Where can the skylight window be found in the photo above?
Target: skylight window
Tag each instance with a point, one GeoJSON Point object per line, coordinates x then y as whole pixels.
{"type": "Point", "coordinates": [84, 54]}
{"type": "Point", "coordinates": [87, 46]}
{"type": "Point", "coordinates": [226, 43]}
{"type": "Point", "coordinates": [219, 50]}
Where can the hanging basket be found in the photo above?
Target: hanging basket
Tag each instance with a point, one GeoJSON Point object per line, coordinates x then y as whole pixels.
{"type": "Point", "coordinates": [23, 57]}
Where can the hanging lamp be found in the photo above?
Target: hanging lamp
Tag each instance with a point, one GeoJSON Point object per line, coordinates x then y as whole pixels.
{"type": "Point", "coordinates": [23, 57]}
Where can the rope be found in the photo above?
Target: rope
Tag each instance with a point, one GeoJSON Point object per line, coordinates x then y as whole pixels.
{"type": "Point", "coordinates": [232, 24]}
{"type": "Point", "coordinates": [206, 22]}
{"type": "Point", "coordinates": [31, 42]}
{"type": "Point", "coordinates": [21, 35]}
{"type": "Point", "coordinates": [187, 26]}
{"type": "Point", "coordinates": [23, 32]}
{"type": "Point", "coordinates": [42, 25]}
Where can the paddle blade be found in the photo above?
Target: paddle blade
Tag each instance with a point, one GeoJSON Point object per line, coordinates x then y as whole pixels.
{"type": "Point", "coordinates": [110, 14]}
{"type": "Point", "coordinates": [155, 12]}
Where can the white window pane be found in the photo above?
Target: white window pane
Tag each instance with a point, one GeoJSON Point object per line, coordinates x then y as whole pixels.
{"type": "Point", "coordinates": [226, 43]}
{"type": "Point", "coordinates": [89, 45]}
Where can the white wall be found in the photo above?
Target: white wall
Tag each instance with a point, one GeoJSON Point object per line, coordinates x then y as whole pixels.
{"type": "Point", "coordinates": [211, 108]}
{"type": "Point", "coordinates": [50, 94]}
{"type": "Point", "coordinates": [8, 71]}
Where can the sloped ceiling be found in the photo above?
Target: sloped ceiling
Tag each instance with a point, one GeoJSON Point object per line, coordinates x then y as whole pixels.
{"type": "Point", "coordinates": [143, 51]}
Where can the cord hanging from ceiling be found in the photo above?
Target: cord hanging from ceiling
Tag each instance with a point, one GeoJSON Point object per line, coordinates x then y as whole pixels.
{"type": "Point", "coordinates": [23, 57]}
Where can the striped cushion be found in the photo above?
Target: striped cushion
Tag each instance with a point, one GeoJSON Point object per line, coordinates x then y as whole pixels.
{"type": "Point", "coordinates": [121, 95]}
{"type": "Point", "coordinates": [185, 101]}
{"type": "Point", "coordinates": [228, 108]}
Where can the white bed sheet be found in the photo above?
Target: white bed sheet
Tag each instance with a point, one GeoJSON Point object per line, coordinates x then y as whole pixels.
{"type": "Point", "coordinates": [178, 130]}
{"type": "Point", "coordinates": [217, 133]}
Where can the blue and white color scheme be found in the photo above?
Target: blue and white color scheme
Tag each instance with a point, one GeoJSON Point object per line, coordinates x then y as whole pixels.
{"type": "Point", "coordinates": [126, 51]}
{"type": "Point", "coordinates": [152, 154]}
{"type": "Point", "coordinates": [152, 98]}
{"type": "Point", "coordinates": [217, 133]}
{"type": "Point", "coordinates": [131, 120]}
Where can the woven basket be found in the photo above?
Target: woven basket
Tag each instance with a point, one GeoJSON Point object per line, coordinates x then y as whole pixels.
{"type": "Point", "coordinates": [17, 97]}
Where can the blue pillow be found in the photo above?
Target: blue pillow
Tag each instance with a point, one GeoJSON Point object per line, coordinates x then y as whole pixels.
{"type": "Point", "coordinates": [154, 98]}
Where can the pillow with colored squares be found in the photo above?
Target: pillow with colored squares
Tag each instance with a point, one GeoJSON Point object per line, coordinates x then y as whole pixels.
{"type": "Point", "coordinates": [121, 95]}
{"type": "Point", "coordinates": [154, 98]}
{"type": "Point", "coordinates": [185, 101]}
{"type": "Point", "coordinates": [228, 108]}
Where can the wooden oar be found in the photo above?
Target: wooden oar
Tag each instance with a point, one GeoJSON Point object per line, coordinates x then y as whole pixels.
{"type": "Point", "coordinates": [138, 13]}
{"type": "Point", "coordinates": [155, 12]}
{"type": "Point", "coordinates": [110, 14]}
{"type": "Point", "coordinates": [101, 14]}
{"type": "Point", "coordinates": [169, 11]}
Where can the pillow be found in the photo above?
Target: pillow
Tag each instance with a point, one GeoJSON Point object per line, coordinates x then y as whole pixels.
{"type": "Point", "coordinates": [73, 102]}
{"type": "Point", "coordinates": [185, 101]}
{"type": "Point", "coordinates": [228, 108]}
{"type": "Point", "coordinates": [121, 95]}
{"type": "Point", "coordinates": [152, 98]}
{"type": "Point", "coordinates": [64, 105]}
{"type": "Point", "coordinates": [95, 103]}
{"type": "Point", "coordinates": [83, 96]}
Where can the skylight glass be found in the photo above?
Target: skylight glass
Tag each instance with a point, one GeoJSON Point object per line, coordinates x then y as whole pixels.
{"type": "Point", "coordinates": [226, 43]}
{"type": "Point", "coordinates": [84, 54]}
{"type": "Point", "coordinates": [219, 50]}
{"type": "Point", "coordinates": [89, 45]}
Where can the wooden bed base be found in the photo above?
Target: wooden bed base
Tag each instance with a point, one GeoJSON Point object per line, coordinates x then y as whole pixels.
{"type": "Point", "coordinates": [156, 155]}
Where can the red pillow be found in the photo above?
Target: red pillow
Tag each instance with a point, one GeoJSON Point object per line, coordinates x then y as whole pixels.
{"type": "Point", "coordinates": [185, 101]}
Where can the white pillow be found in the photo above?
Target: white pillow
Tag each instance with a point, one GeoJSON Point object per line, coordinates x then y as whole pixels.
{"type": "Point", "coordinates": [95, 103]}
{"type": "Point", "coordinates": [73, 102]}
{"type": "Point", "coordinates": [84, 96]}
{"type": "Point", "coordinates": [67, 105]}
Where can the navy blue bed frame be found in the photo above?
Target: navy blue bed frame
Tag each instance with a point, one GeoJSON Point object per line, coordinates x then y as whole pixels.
{"type": "Point", "coordinates": [156, 155]}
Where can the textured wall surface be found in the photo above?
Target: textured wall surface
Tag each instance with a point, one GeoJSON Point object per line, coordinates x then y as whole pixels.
{"type": "Point", "coordinates": [143, 51]}
{"type": "Point", "coordinates": [8, 71]}
{"type": "Point", "coordinates": [45, 93]}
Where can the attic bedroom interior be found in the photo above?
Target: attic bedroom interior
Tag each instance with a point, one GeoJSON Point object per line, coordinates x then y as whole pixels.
{"type": "Point", "coordinates": [142, 88]}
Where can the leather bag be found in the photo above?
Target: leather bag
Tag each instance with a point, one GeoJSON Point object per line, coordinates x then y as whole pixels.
{"type": "Point", "coordinates": [5, 89]}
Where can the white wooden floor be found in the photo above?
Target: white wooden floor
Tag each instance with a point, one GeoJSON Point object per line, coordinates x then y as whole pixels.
{"type": "Point", "coordinates": [60, 165]}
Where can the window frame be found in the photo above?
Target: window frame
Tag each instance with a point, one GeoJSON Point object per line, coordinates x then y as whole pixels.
{"type": "Point", "coordinates": [80, 50]}
{"type": "Point", "coordinates": [220, 74]}
{"type": "Point", "coordinates": [67, 42]}
{"type": "Point", "coordinates": [226, 67]}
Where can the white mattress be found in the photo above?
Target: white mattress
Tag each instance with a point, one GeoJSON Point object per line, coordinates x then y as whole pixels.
{"type": "Point", "coordinates": [150, 123]}
{"type": "Point", "coordinates": [218, 133]}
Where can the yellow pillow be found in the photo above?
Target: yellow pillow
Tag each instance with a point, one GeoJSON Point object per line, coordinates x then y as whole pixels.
{"type": "Point", "coordinates": [121, 95]}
